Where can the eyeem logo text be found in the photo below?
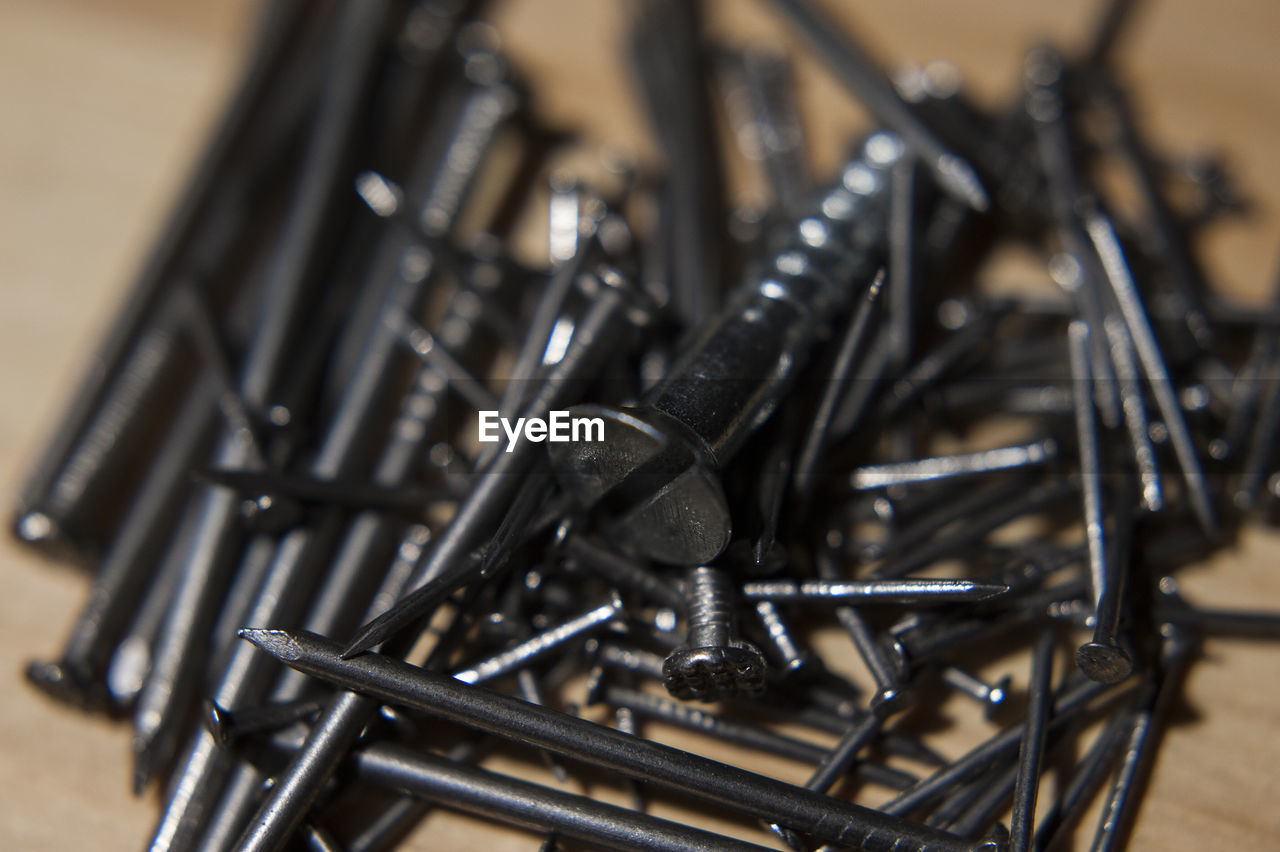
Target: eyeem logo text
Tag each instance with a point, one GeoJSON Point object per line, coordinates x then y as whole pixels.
{"type": "Point", "coordinates": [558, 426]}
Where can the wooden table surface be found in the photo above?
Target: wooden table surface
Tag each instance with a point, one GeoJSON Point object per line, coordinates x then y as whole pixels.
{"type": "Point", "coordinates": [103, 106]}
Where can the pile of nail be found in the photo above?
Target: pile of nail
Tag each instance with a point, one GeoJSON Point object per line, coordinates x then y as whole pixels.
{"type": "Point", "coordinates": [823, 488]}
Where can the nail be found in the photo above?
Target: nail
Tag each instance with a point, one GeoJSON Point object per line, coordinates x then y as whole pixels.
{"type": "Point", "coordinates": [713, 663]}
{"type": "Point", "coordinates": [1082, 375]}
{"type": "Point", "coordinates": [988, 801]}
{"type": "Point", "coordinates": [1261, 450]}
{"type": "Point", "coordinates": [1173, 609]}
{"type": "Point", "coordinates": [1103, 658]}
{"type": "Point", "coordinates": [1126, 292]}
{"type": "Point", "coordinates": [692, 718]}
{"type": "Point", "coordinates": [834, 391]}
{"type": "Point", "coordinates": [1135, 764]}
{"type": "Point", "coordinates": [1248, 383]}
{"type": "Point", "coordinates": [227, 727]}
{"type": "Point", "coordinates": [520, 655]}
{"type": "Point", "coordinates": [448, 566]}
{"type": "Point", "coordinates": [959, 465]}
{"type": "Point", "coordinates": [73, 471]}
{"type": "Point", "coordinates": [891, 691]}
{"type": "Point", "coordinates": [848, 592]}
{"type": "Point", "coordinates": [1077, 269]}
{"type": "Point", "coordinates": [523, 804]}
{"type": "Point", "coordinates": [594, 335]}
{"type": "Point", "coordinates": [131, 660]}
{"type": "Point", "coordinates": [834, 765]}
{"type": "Point", "coordinates": [904, 216]}
{"type": "Point", "coordinates": [991, 696]}
{"type": "Point", "coordinates": [530, 688]}
{"type": "Point", "coordinates": [1105, 33]}
{"type": "Point", "coordinates": [1037, 498]}
{"type": "Point", "coordinates": [392, 825]}
{"type": "Point", "coordinates": [702, 412]}
{"type": "Point", "coordinates": [667, 57]}
{"type": "Point", "coordinates": [484, 108]}
{"type": "Point", "coordinates": [760, 100]}
{"type": "Point", "coordinates": [1084, 781]}
{"type": "Point", "coordinates": [346, 493]}
{"type": "Point", "coordinates": [1135, 412]}
{"type": "Point", "coordinates": [626, 573]}
{"type": "Point", "coordinates": [1031, 749]}
{"type": "Point", "coordinates": [810, 813]}
{"type": "Point", "coordinates": [919, 642]}
{"type": "Point", "coordinates": [1169, 245]}
{"type": "Point", "coordinates": [130, 564]}
{"type": "Point", "coordinates": [1073, 698]}
{"type": "Point", "coordinates": [550, 318]}
{"type": "Point", "coordinates": [852, 67]}
{"type": "Point", "coordinates": [318, 839]}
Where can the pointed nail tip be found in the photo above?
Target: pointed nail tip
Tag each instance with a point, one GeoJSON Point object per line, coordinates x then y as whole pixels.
{"type": "Point", "coordinates": [216, 722]}
{"type": "Point", "coordinates": [993, 590]}
{"type": "Point", "coordinates": [355, 649]}
{"type": "Point", "coordinates": [961, 180]}
{"type": "Point", "coordinates": [142, 769]}
{"type": "Point", "coordinates": [278, 643]}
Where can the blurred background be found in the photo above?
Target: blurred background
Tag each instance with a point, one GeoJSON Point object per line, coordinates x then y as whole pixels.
{"type": "Point", "coordinates": [104, 105]}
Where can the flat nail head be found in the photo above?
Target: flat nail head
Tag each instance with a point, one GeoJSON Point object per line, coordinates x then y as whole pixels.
{"type": "Point", "coordinates": [1103, 663]}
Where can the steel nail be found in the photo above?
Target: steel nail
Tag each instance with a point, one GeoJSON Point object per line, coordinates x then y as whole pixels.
{"type": "Point", "coordinates": [1031, 749]}
{"type": "Point", "coordinates": [891, 692]}
{"type": "Point", "coordinates": [524, 804]}
{"type": "Point", "coordinates": [1084, 781]}
{"type": "Point", "coordinates": [1107, 245]}
{"type": "Point", "coordinates": [847, 592]}
{"type": "Point", "coordinates": [1174, 610]}
{"type": "Point", "coordinates": [73, 468]}
{"type": "Point", "coordinates": [991, 696]}
{"type": "Point", "coordinates": [598, 331]}
{"type": "Point", "coordinates": [936, 468]}
{"type": "Point", "coordinates": [713, 663]}
{"type": "Point", "coordinates": [805, 811]}
{"type": "Point", "coordinates": [131, 563]}
{"type": "Point", "coordinates": [1073, 698]}
{"type": "Point", "coordinates": [520, 655]}
{"type": "Point", "coordinates": [857, 72]}
{"type": "Point", "coordinates": [625, 573]}
{"type": "Point", "coordinates": [669, 448]}
{"type": "Point", "coordinates": [761, 105]}
{"type": "Point", "coordinates": [816, 437]}
{"type": "Point", "coordinates": [1148, 720]}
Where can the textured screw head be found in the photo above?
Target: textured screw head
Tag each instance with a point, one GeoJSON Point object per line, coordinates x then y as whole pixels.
{"type": "Point", "coordinates": [713, 674]}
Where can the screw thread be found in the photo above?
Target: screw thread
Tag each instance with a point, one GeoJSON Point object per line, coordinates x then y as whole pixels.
{"type": "Point", "coordinates": [710, 608]}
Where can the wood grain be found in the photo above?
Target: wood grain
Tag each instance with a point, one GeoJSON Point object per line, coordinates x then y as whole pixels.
{"type": "Point", "coordinates": [103, 107]}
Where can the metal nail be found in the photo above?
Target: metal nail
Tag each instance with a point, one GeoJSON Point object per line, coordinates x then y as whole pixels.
{"type": "Point", "coordinates": [991, 696]}
{"type": "Point", "coordinates": [860, 76]}
{"type": "Point", "coordinates": [662, 456]}
{"type": "Point", "coordinates": [1031, 749]}
{"type": "Point", "coordinates": [713, 663]}
{"type": "Point", "coordinates": [807, 812]}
